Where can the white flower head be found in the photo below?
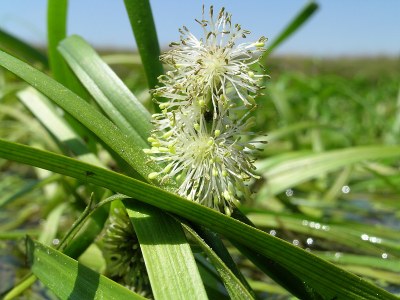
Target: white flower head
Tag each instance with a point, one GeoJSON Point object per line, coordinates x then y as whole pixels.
{"type": "Point", "coordinates": [207, 158]}
{"type": "Point", "coordinates": [213, 65]}
{"type": "Point", "coordinates": [209, 94]}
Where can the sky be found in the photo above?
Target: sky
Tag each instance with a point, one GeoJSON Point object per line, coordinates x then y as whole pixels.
{"type": "Point", "coordinates": [338, 28]}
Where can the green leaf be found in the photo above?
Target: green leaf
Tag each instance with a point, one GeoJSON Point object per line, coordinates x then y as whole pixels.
{"type": "Point", "coordinates": [236, 289]}
{"type": "Point", "coordinates": [50, 227]}
{"type": "Point", "coordinates": [107, 89]}
{"type": "Point", "coordinates": [18, 234]}
{"type": "Point", "coordinates": [322, 277]}
{"type": "Point", "coordinates": [280, 274]}
{"type": "Point", "coordinates": [290, 172]}
{"type": "Point", "coordinates": [84, 113]}
{"type": "Point", "coordinates": [69, 279]}
{"type": "Point", "coordinates": [57, 11]}
{"type": "Point", "coordinates": [6, 198]}
{"type": "Point", "coordinates": [20, 49]}
{"type": "Point", "coordinates": [141, 18]}
{"type": "Point", "coordinates": [169, 260]}
{"type": "Point", "coordinates": [340, 233]}
{"type": "Point", "coordinates": [391, 264]}
{"type": "Point", "coordinates": [20, 288]}
{"type": "Point", "coordinates": [45, 112]}
{"type": "Point", "coordinates": [56, 31]}
{"type": "Point", "coordinates": [307, 11]}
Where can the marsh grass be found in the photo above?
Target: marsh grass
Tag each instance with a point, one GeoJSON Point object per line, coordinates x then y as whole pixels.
{"type": "Point", "coordinates": [329, 186]}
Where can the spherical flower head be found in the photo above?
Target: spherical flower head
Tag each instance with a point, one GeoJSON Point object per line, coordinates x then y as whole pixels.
{"type": "Point", "coordinates": [213, 65]}
{"type": "Point", "coordinates": [123, 255]}
{"type": "Point", "coordinates": [206, 157]}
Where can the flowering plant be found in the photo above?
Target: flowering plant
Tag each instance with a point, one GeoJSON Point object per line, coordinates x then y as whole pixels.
{"type": "Point", "coordinates": [207, 98]}
{"type": "Point", "coordinates": [116, 209]}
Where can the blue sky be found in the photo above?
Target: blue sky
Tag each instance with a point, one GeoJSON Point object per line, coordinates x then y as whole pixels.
{"type": "Point", "coordinates": [340, 27]}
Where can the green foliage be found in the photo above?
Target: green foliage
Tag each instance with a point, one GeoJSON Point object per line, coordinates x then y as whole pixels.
{"type": "Point", "coordinates": [328, 194]}
{"type": "Point", "coordinates": [69, 279]}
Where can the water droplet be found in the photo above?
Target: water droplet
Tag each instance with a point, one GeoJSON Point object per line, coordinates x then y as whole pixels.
{"type": "Point", "coordinates": [325, 227]}
{"type": "Point", "coordinates": [296, 242]}
{"type": "Point", "coordinates": [338, 255]}
{"type": "Point", "coordinates": [304, 223]}
{"type": "Point", "coordinates": [375, 240]}
{"type": "Point", "coordinates": [55, 242]}
{"type": "Point", "coordinates": [372, 239]}
{"type": "Point", "coordinates": [310, 241]}
{"type": "Point", "coordinates": [272, 232]}
{"type": "Point", "coordinates": [345, 189]}
{"type": "Point", "coordinates": [384, 255]}
{"type": "Point", "coordinates": [289, 192]}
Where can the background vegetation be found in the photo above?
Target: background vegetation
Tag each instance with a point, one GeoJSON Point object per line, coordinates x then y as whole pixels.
{"type": "Point", "coordinates": [330, 178]}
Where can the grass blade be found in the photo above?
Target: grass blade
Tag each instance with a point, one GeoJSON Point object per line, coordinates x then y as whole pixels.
{"type": "Point", "coordinates": [290, 172]}
{"type": "Point", "coordinates": [49, 230]}
{"type": "Point", "coordinates": [45, 112]}
{"type": "Point", "coordinates": [322, 277]}
{"type": "Point", "coordinates": [107, 89]}
{"type": "Point", "coordinates": [166, 253]}
{"type": "Point", "coordinates": [308, 10]}
{"type": "Point", "coordinates": [69, 279]}
{"type": "Point", "coordinates": [141, 18]}
{"type": "Point", "coordinates": [20, 49]}
{"type": "Point", "coordinates": [57, 31]}
{"type": "Point", "coordinates": [234, 286]}
{"type": "Point", "coordinates": [57, 11]}
{"type": "Point", "coordinates": [340, 233]}
{"type": "Point", "coordinates": [362, 260]}
{"type": "Point", "coordinates": [84, 113]}
{"type": "Point", "coordinates": [7, 198]}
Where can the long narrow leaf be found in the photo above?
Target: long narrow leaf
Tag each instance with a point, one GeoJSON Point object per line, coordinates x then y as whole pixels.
{"type": "Point", "coordinates": [234, 286]}
{"type": "Point", "coordinates": [321, 276]}
{"type": "Point", "coordinates": [22, 50]}
{"type": "Point", "coordinates": [107, 89]}
{"type": "Point", "coordinates": [56, 31]}
{"type": "Point", "coordinates": [303, 15]}
{"type": "Point", "coordinates": [141, 18]}
{"type": "Point", "coordinates": [166, 253]}
{"type": "Point", "coordinates": [57, 11]}
{"type": "Point", "coordinates": [44, 111]}
{"type": "Point", "coordinates": [376, 239]}
{"type": "Point", "coordinates": [69, 279]}
{"type": "Point", "coordinates": [84, 113]}
{"type": "Point", "coordinates": [290, 172]}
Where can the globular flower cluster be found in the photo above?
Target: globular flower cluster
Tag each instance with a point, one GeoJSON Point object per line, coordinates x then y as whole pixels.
{"type": "Point", "coordinates": [208, 96]}
{"type": "Point", "coordinates": [123, 254]}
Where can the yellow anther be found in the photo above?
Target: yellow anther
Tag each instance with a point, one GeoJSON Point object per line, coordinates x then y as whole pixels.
{"type": "Point", "coordinates": [214, 172]}
{"type": "Point", "coordinates": [168, 168]}
{"type": "Point", "coordinates": [172, 149]}
{"type": "Point", "coordinates": [226, 195]}
{"type": "Point", "coordinates": [152, 175]}
{"type": "Point", "coordinates": [168, 134]}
